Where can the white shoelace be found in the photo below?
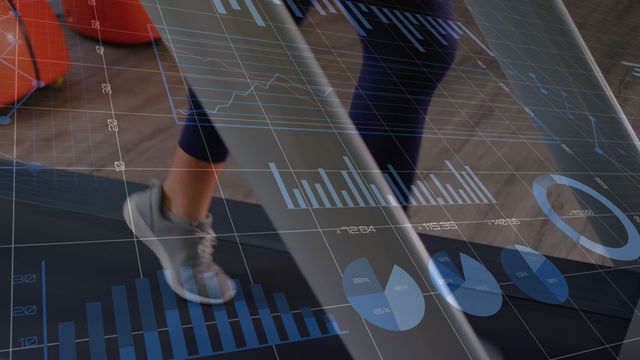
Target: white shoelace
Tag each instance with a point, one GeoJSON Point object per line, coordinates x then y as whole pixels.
{"type": "Point", "coordinates": [206, 247]}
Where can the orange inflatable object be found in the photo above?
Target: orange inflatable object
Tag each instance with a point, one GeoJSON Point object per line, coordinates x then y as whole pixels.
{"type": "Point", "coordinates": [122, 22]}
{"type": "Point", "coordinates": [33, 52]}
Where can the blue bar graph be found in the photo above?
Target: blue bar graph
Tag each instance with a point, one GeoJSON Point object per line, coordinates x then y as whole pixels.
{"type": "Point", "coordinates": [283, 189]}
{"type": "Point", "coordinates": [359, 15]}
{"type": "Point", "coordinates": [318, 7]}
{"type": "Point", "coordinates": [347, 198]}
{"type": "Point", "coordinates": [453, 192]}
{"type": "Point", "coordinates": [311, 322]}
{"type": "Point", "coordinates": [407, 22]}
{"type": "Point", "coordinates": [219, 7]}
{"type": "Point", "coordinates": [350, 18]}
{"type": "Point", "coordinates": [294, 7]}
{"type": "Point", "coordinates": [354, 192]}
{"type": "Point", "coordinates": [323, 196]}
{"type": "Point", "coordinates": [332, 190]}
{"type": "Point", "coordinates": [67, 340]}
{"type": "Point", "coordinates": [484, 188]}
{"type": "Point", "coordinates": [432, 30]}
{"type": "Point", "coordinates": [123, 322]}
{"type": "Point", "coordinates": [378, 195]}
{"type": "Point", "coordinates": [300, 198]}
{"type": "Point", "coordinates": [441, 188]}
{"type": "Point", "coordinates": [379, 14]}
{"type": "Point", "coordinates": [234, 4]}
{"type": "Point", "coordinates": [330, 7]}
{"type": "Point", "coordinates": [197, 316]}
{"type": "Point", "coordinates": [408, 25]}
{"type": "Point", "coordinates": [176, 336]}
{"type": "Point", "coordinates": [149, 324]}
{"type": "Point", "coordinates": [287, 318]}
{"type": "Point", "coordinates": [399, 195]}
{"type": "Point", "coordinates": [461, 180]}
{"type": "Point", "coordinates": [414, 189]}
{"type": "Point", "coordinates": [425, 191]}
{"type": "Point", "coordinates": [246, 324]}
{"type": "Point", "coordinates": [310, 194]}
{"type": "Point", "coordinates": [152, 346]}
{"type": "Point", "coordinates": [95, 326]}
{"type": "Point", "coordinates": [265, 314]}
{"type": "Point", "coordinates": [361, 184]}
{"type": "Point", "coordinates": [406, 191]}
{"type": "Point", "coordinates": [448, 28]}
{"type": "Point", "coordinates": [332, 325]}
{"type": "Point", "coordinates": [352, 187]}
{"type": "Point", "coordinates": [224, 328]}
{"type": "Point", "coordinates": [464, 196]}
{"type": "Point", "coordinates": [254, 12]}
{"type": "Point", "coordinates": [403, 30]}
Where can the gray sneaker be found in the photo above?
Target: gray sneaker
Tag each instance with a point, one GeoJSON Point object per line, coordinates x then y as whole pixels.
{"type": "Point", "coordinates": [185, 249]}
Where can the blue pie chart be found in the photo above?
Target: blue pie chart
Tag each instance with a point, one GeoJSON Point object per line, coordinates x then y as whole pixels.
{"type": "Point", "coordinates": [472, 289]}
{"type": "Point", "coordinates": [534, 274]}
{"type": "Point", "coordinates": [398, 306]}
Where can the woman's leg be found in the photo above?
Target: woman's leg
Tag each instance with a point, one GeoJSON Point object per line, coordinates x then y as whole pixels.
{"type": "Point", "coordinates": [395, 88]}
{"type": "Point", "coordinates": [193, 176]}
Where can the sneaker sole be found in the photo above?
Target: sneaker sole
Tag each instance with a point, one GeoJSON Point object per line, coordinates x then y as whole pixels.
{"type": "Point", "coordinates": [147, 237]}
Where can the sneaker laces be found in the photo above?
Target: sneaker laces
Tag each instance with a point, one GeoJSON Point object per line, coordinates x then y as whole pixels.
{"type": "Point", "coordinates": [206, 247]}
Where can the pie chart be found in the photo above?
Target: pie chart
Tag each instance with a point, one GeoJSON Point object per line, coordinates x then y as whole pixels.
{"type": "Point", "coordinates": [534, 274]}
{"type": "Point", "coordinates": [471, 289]}
{"type": "Point", "coordinates": [398, 306]}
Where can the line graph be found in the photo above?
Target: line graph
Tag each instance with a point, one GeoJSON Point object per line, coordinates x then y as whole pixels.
{"type": "Point", "coordinates": [252, 77]}
{"type": "Point", "coordinates": [235, 80]}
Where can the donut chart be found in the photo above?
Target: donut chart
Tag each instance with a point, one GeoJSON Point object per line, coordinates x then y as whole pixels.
{"type": "Point", "coordinates": [399, 306]}
{"type": "Point", "coordinates": [630, 251]}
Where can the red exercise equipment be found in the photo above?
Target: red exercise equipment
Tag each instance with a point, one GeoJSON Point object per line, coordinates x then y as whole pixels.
{"type": "Point", "coordinates": [123, 22]}
{"type": "Point", "coordinates": [33, 52]}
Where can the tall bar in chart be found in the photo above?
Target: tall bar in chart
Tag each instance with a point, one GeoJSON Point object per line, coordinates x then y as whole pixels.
{"type": "Point", "coordinates": [315, 326]}
{"type": "Point", "coordinates": [348, 189]}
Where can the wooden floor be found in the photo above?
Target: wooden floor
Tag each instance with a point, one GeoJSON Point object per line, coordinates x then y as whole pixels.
{"type": "Point", "coordinates": [66, 128]}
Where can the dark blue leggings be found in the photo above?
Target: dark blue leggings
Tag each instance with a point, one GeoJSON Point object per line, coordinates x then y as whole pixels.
{"type": "Point", "coordinates": [392, 96]}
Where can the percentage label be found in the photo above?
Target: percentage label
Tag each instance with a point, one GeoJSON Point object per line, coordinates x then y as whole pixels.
{"type": "Point", "coordinates": [21, 279]}
{"type": "Point", "coordinates": [26, 310]}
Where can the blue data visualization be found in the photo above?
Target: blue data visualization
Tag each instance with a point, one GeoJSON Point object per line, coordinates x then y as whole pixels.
{"type": "Point", "coordinates": [231, 339]}
{"type": "Point", "coordinates": [534, 274]}
{"type": "Point", "coordinates": [398, 306]}
{"type": "Point", "coordinates": [472, 289]}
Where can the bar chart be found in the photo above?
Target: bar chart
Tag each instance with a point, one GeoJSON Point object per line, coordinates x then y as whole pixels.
{"type": "Point", "coordinates": [353, 192]}
{"type": "Point", "coordinates": [272, 324]}
{"type": "Point", "coordinates": [363, 17]}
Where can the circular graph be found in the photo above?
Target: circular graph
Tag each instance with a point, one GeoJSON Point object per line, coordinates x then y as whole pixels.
{"type": "Point", "coordinates": [398, 306]}
{"type": "Point", "coordinates": [534, 274]}
{"type": "Point", "coordinates": [471, 289]}
{"type": "Point", "coordinates": [630, 251]}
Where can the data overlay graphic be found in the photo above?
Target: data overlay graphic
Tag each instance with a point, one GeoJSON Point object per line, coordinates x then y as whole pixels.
{"type": "Point", "coordinates": [379, 180]}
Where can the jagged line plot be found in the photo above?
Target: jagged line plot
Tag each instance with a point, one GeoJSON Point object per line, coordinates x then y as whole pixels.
{"type": "Point", "coordinates": [593, 121]}
{"type": "Point", "coordinates": [254, 84]}
{"type": "Point", "coordinates": [264, 83]}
